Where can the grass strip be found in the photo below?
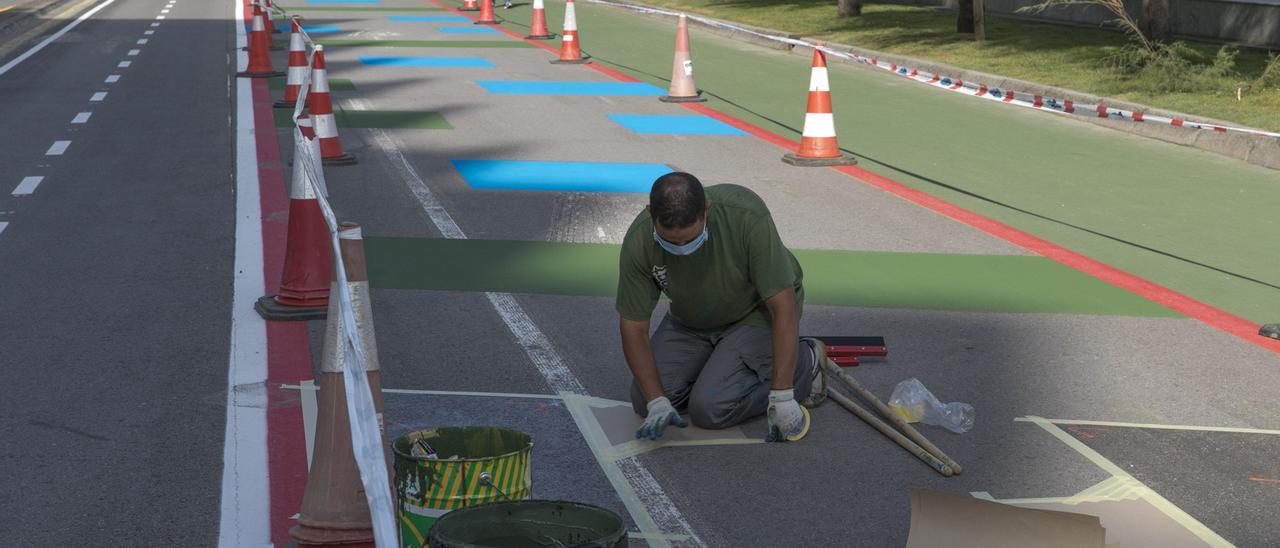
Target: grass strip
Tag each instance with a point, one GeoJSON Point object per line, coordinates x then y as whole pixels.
{"type": "Point", "coordinates": [424, 43]}
{"type": "Point", "coordinates": [926, 281]}
{"type": "Point", "coordinates": [384, 119]}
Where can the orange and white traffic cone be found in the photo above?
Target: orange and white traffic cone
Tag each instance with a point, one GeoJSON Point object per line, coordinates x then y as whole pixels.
{"type": "Point", "coordinates": [335, 511]}
{"type": "Point", "coordinates": [570, 49]}
{"type": "Point", "coordinates": [469, 5]}
{"type": "Point", "coordinates": [308, 256]}
{"type": "Point", "coordinates": [297, 66]}
{"type": "Point", "coordinates": [271, 14]}
{"type": "Point", "coordinates": [682, 88]}
{"type": "Point", "coordinates": [259, 50]}
{"type": "Point", "coordinates": [486, 14]}
{"type": "Point", "coordinates": [321, 105]}
{"type": "Point", "coordinates": [818, 146]}
{"type": "Point", "coordinates": [538, 26]}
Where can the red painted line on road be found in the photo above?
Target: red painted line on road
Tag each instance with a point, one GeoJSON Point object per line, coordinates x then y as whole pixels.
{"type": "Point", "coordinates": [288, 345]}
{"type": "Point", "coordinates": [1192, 308]}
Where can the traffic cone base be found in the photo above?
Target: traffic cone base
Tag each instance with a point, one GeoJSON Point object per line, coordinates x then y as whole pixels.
{"type": "Point", "coordinates": [285, 104]}
{"type": "Point", "coordinates": [270, 309]}
{"type": "Point", "coordinates": [584, 60]}
{"type": "Point", "coordinates": [493, 22]}
{"type": "Point", "coordinates": [693, 99]}
{"type": "Point", "coordinates": [344, 160]}
{"type": "Point", "coordinates": [268, 74]}
{"type": "Point", "coordinates": [551, 36]}
{"type": "Point", "coordinates": [844, 159]}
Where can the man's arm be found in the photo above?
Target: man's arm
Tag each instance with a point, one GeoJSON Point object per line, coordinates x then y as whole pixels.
{"type": "Point", "coordinates": [786, 337]}
{"type": "Point", "coordinates": [635, 347]}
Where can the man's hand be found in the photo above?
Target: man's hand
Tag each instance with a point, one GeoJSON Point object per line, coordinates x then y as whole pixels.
{"type": "Point", "coordinates": [788, 421]}
{"type": "Point", "coordinates": [661, 413]}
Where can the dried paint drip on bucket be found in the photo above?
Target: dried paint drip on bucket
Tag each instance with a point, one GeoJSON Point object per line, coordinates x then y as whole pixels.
{"type": "Point", "coordinates": [530, 523]}
{"type": "Point", "coordinates": [446, 469]}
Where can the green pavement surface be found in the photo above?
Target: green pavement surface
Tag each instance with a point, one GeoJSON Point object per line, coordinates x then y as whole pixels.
{"type": "Point", "coordinates": [335, 84]}
{"type": "Point", "coordinates": [425, 43]}
{"type": "Point", "coordinates": [354, 8]}
{"type": "Point", "coordinates": [1195, 222]}
{"type": "Point", "coordinates": [995, 283]}
{"type": "Point", "coordinates": [385, 119]}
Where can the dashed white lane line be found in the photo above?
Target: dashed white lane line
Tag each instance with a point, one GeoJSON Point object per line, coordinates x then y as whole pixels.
{"type": "Point", "coordinates": [98, 97]}
{"type": "Point", "coordinates": [3, 225]}
{"type": "Point", "coordinates": [164, 11]}
{"type": "Point", "coordinates": [58, 148]}
{"type": "Point", "coordinates": [27, 186]}
{"type": "Point", "coordinates": [125, 64]}
{"type": "Point", "coordinates": [142, 41]}
{"type": "Point", "coordinates": [81, 118]}
{"type": "Point", "coordinates": [155, 24]}
{"type": "Point", "coordinates": [149, 32]}
{"type": "Point", "coordinates": [134, 52]}
{"type": "Point", "coordinates": [112, 78]}
{"type": "Point", "coordinates": [159, 17]}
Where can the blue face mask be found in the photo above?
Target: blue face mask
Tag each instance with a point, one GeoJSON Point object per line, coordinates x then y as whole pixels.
{"type": "Point", "coordinates": [682, 249]}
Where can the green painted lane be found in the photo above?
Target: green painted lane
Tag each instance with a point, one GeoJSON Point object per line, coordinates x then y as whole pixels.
{"type": "Point", "coordinates": [335, 42]}
{"type": "Point", "coordinates": [385, 119]}
{"type": "Point", "coordinates": [292, 9]}
{"type": "Point", "coordinates": [1121, 192]}
{"type": "Point", "coordinates": [843, 278]}
{"type": "Point", "coordinates": [335, 84]}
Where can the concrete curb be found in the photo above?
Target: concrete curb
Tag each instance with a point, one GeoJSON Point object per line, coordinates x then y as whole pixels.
{"type": "Point", "coordinates": [1255, 149]}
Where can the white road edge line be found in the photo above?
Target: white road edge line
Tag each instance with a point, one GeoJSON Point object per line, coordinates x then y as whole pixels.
{"type": "Point", "coordinates": [245, 506]}
{"type": "Point", "coordinates": [656, 508]}
{"type": "Point", "coordinates": [81, 118]}
{"type": "Point", "coordinates": [35, 49]}
{"type": "Point", "coordinates": [58, 148]}
{"type": "Point", "coordinates": [27, 186]}
{"type": "Point", "coordinates": [99, 96]}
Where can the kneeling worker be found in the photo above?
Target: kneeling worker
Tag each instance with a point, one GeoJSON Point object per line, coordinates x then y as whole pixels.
{"type": "Point", "coordinates": [729, 349]}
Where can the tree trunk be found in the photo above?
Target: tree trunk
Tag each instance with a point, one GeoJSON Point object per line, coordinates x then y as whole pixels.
{"type": "Point", "coordinates": [848, 8]}
{"type": "Point", "coordinates": [1155, 19]}
{"type": "Point", "coordinates": [964, 16]}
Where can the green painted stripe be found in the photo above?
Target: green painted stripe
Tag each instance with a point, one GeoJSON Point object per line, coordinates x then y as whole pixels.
{"type": "Point", "coordinates": [993, 283]}
{"type": "Point", "coordinates": [355, 8]}
{"type": "Point", "coordinates": [335, 84]}
{"type": "Point", "coordinates": [387, 119]}
{"type": "Point", "coordinates": [335, 42]}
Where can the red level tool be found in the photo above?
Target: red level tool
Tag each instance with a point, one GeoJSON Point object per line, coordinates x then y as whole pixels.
{"type": "Point", "coordinates": [845, 351]}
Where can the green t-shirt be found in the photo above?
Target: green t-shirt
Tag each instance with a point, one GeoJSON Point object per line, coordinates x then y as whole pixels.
{"type": "Point", "coordinates": [722, 284]}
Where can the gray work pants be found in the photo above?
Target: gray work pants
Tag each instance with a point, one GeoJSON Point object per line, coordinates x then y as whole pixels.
{"type": "Point", "coordinates": [721, 380]}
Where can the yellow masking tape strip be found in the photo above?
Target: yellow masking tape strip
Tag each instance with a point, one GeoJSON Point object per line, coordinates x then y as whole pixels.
{"type": "Point", "coordinates": [1227, 429]}
{"type": "Point", "coordinates": [580, 409]}
{"type": "Point", "coordinates": [1168, 508]}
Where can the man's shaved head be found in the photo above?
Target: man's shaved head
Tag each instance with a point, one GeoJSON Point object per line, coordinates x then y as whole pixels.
{"type": "Point", "coordinates": [677, 200]}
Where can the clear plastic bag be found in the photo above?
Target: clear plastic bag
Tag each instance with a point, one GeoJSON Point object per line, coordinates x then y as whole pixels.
{"type": "Point", "coordinates": [914, 403]}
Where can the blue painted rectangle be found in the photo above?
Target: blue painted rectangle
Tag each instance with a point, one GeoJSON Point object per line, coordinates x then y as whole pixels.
{"type": "Point", "coordinates": [468, 62]}
{"type": "Point", "coordinates": [570, 88]}
{"type": "Point", "coordinates": [560, 176]}
{"type": "Point", "coordinates": [429, 19]}
{"type": "Point", "coordinates": [321, 29]}
{"type": "Point", "coordinates": [468, 30]}
{"type": "Point", "coordinates": [674, 125]}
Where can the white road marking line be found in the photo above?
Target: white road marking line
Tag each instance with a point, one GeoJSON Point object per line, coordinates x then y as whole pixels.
{"type": "Point", "coordinates": [164, 11]}
{"type": "Point", "coordinates": [142, 41]}
{"type": "Point", "coordinates": [149, 32]}
{"type": "Point", "coordinates": [245, 498]}
{"type": "Point", "coordinates": [27, 186]}
{"type": "Point", "coordinates": [81, 118]}
{"type": "Point", "coordinates": [134, 52]}
{"type": "Point", "coordinates": [159, 17]}
{"type": "Point", "coordinates": [112, 78]}
{"type": "Point", "coordinates": [125, 64]}
{"type": "Point", "coordinates": [98, 97]}
{"type": "Point", "coordinates": [3, 225]}
{"type": "Point", "coordinates": [155, 24]}
{"type": "Point", "coordinates": [655, 512]}
{"type": "Point", "coordinates": [58, 148]}
{"type": "Point", "coordinates": [36, 48]}
{"type": "Point", "coordinates": [1228, 429]}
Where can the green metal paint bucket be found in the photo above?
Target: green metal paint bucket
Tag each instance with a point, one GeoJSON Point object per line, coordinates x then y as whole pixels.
{"type": "Point", "coordinates": [445, 469]}
{"type": "Point", "coordinates": [530, 523]}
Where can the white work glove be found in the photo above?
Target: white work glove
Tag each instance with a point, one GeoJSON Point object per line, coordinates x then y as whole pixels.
{"type": "Point", "coordinates": [661, 413]}
{"type": "Point", "coordinates": [788, 421]}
